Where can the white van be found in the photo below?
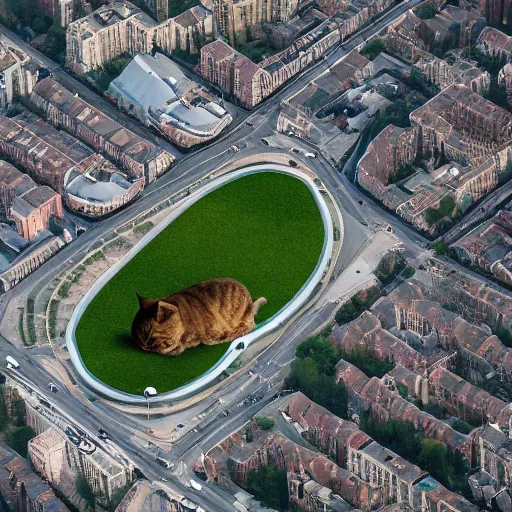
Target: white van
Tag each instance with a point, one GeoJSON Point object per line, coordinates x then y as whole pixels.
{"type": "Point", "coordinates": [197, 486]}
{"type": "Point", "coordinates": [11, 362]}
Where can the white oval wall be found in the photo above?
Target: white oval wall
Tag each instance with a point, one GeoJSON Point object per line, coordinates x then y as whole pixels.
{"type": "Point", "coordinates": [232, 353]}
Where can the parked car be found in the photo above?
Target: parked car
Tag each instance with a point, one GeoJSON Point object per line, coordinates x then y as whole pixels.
{"type": "Point", "coordinates": [164, 463]}
{"type": "Point", "coordinates": [86, 447]}
{"type": "Point", "coordinates": [11, 362]}
{"type": "Point", "coordinates": [196, 485]}
{"type": "Point", "coordinates": [102, 433]}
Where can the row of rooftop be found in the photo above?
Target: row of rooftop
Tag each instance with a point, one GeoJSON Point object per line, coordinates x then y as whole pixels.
{"type": "Point", "coordinates": [332, 465]}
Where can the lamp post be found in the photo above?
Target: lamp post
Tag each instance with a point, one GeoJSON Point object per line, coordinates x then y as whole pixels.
{"type": "Point", "coordinates": [149, 392]}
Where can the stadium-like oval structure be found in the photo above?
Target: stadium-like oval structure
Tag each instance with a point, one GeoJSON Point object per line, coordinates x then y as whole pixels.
{"type": "Point", "coordinates": [266, 226]}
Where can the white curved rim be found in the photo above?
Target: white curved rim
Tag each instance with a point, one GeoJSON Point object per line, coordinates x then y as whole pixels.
{"type": "Point", "coordinates": [231, 353]}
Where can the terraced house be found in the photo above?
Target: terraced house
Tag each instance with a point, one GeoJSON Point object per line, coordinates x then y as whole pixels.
{"type": "Point", "coordinates": [121, 28]}
{"type": "Point", "coordinates": [141, 158]}
{"type": "Point", "coordinates": [250, 83]}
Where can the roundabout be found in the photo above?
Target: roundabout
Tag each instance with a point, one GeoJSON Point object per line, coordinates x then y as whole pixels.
{"type": "Point", "coordinates": [267, 226]}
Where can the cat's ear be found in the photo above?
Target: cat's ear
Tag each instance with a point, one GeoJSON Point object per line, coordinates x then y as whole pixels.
{"type": "Point", "coordinates": [143, 303]}
{"type": "Point", "coordinates": [165, 311]}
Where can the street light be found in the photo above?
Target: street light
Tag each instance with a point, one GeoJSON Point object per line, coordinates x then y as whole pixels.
{"type": "Point", "coordinates": [149, 392]}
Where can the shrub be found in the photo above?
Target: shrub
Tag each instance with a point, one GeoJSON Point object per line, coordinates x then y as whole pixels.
{"type": "Point", "coordinates": [264, 423]}
{"type": "Point", "coordinates": [142, 229]}
{"type": "Point", "coordinates": [64, 289]}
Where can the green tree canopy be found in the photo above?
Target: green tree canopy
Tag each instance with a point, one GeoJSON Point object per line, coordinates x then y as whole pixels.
{"type": "Point", "coordinates": [433, 458]}
{"type": "Point", "coordinates": [84, 489]}
{"type": "Point", "coordinates": [325, 355]}
{"type": "Point", "coordinates": [269, 485]}
{"type": "Point", "coordinates": [55, 47]}
{"type": "Point", "coordinates": [18, 439]}
{"type": "Point", "coordinates": [373, 48]}
{"type": "Point", "coordinates": [264, 423]}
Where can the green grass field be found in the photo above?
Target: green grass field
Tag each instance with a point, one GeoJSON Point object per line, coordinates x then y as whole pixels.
{"type": "Point", "coordinates": [264, 230]}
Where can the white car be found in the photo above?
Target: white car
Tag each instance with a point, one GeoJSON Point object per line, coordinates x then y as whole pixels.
{"type": "Point", "coordinates": [310, 155]}
{"type": "Point", "coordinates": [197, 486]}
{"type": "Point", "coordinates": [11, 362]}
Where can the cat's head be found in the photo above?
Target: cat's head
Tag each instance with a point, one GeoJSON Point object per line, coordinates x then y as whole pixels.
{"type": "Point", "coordinates": [157, 326]}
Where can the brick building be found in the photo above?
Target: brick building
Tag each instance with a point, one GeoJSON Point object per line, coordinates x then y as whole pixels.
{"type": "Point", "coordinates": [31, 206]}
{"type": "Point", "coordinates": [33, 210]}
{"type": "Point", "coordinates": [18, 72]}
{"type": "Point", "coordinates": [139, 157]}
{"type": "Point", "coordinates": [22, 489]}
{"type": "Point", "coordinates": [233, 16]}
{"type": "Point", "coordinates": [120, 28]}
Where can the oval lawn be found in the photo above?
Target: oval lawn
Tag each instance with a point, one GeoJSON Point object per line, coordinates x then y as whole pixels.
{"type": "Point", "coordinates": [263, 229]}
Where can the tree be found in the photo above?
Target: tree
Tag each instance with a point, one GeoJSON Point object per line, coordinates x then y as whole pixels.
{"type": "Point", "coordinates": [84, 489]}
{"type": "Point", "coordinates": [398, 436]}
{"type": "Point", "coordinates": [264, 423]}
{"type": "Point", "coordinates": [18, 439]}
{"type": "Point", "coordinates": [368, 363]}
{"type": "Point", "coordinates": [426, 11]}
{"type": "Point", "coordinates": [432, 458]}
{"type": "Point", "coordinates": [462, 427]}
{"type": "Point", "coordinates": [118, 496]}
{"type": "Point", "coordinates": [55, 47]}
{"type": "Point", "coordinates": [24, 10]}
{"type": "Point", "coordinates": [320, 388]}
{"type": "Point", "coordinates": [373, 48]}
{"type": "Point", "coordinates": [505, 335]}
{"type": "Point", "coordinates": [4, 415]}
{"type": "Point", "coordinates": [39, 25]}
{"type": "Point", "coordinates": [269, 485]}
{"type": "Point", "coordinates": [391, 264]}
{"type": "Point", "coordinates": [408, 272]}
{"type": "Point", "coordinates": [403, 390]}
{"type": "Point", "coordinates": [18, 410]}
{"type": "Point", "coordinates": [347, 312]}
{"type": "Point", "coordinates": [404, 171]}
{"type": "Point", "coordinates": [177, 7]}
{"type": "Point", "coordinates": [325, 355]}
{"type": "Point", "coordinates": [440, 247]}
{"type": "Point", "coordinates": [435, 410]}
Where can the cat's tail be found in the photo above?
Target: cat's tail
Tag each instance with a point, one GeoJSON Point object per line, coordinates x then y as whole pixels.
{"type": "Point", "coordinates": [257, 304]}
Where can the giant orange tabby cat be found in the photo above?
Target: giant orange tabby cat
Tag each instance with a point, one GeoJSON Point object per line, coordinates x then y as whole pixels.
{"type": "Point", "coordinates": [210, 312]}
